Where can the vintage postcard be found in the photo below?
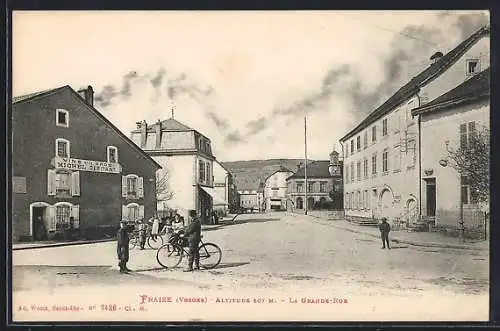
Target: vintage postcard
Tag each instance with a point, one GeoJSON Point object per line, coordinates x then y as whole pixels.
{"type": "Point", "coordinates": [250, 166]}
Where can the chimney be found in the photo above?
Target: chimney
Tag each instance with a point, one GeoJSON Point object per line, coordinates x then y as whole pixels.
{"type": "Point", "coordinates": [299, 165]}
{"type": "Point", "coordinates": [435, 57]}
{"type": "Point", "coordinates": [87, 94]}
{"type": "Point", "coordinates": [144, 132]}
{"type": "Point", "coordinates": [158, 134]}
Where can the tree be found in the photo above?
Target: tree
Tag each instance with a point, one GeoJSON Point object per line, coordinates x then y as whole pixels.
{"type": "Point", "coordinates": [162, 188]}
{"type": "Point", "coordinates": [337, 196]}
{"type": "Point", "coordinates": [472, 160]}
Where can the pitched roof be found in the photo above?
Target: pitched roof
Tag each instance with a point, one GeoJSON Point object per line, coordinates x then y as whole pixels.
{"type": "Point", "coordinates": [173, 125]}
{"type": "Point", "coordinates": [281, 169]}
{"type": "Point", "coordinates": [420, 80]}
{"type": "Point", "coordinates": [35, 94]}
{"type": "Point", "coordinates": [316, 169]}
{"type": "Point", "coordinates": [474, 88]}
{"type": "Point", "coordinates": [45, 93]}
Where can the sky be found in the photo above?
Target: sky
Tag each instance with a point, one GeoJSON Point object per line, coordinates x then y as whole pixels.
{"type": "Point", "coordinates": [244, 79]}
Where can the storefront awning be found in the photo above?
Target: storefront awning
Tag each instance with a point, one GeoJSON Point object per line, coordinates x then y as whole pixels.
{"type": "Point", "coordinates": [217, 199]}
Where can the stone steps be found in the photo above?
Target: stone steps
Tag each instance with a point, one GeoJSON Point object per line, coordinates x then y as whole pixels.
{"type": "Point", "coordinates": [363, 222]}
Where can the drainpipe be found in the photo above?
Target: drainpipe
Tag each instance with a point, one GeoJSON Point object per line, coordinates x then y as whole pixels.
{"type": "Point", "coordinates": [419, 163]}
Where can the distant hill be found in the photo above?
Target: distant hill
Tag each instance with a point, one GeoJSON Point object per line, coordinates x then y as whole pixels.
{"type": "Point", "coordinates": [249, 174]}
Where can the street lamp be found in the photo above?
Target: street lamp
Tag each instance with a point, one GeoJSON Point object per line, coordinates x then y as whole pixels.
{"type": "Point", "coordinates": [444, 163]}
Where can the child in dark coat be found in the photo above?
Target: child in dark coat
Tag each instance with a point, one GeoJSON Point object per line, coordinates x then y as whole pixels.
{"type": "Point", "coordinates": [122, 247]}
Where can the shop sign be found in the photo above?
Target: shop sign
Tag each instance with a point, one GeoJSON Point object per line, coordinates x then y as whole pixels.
{"type": "Point", "coordinates": [87, 165]}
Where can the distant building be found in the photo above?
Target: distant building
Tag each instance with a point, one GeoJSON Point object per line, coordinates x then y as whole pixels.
{"type": "Point", "coordinates": [187, 161]}
{"type": "Point", "coordinates": [225, 189]}
{"type": "Point", "coordinates": [381, 154]}
{"type": "Point", "coordinates": [275, 189]}
{"type": "Point", "coordinates": [452, 119]}
{"type": "Point", "coordinates": [72, 168]}
{"type": "Point", "coordinates": [323, 177]}
{"type": "Point", "coordinates": [252, 200]}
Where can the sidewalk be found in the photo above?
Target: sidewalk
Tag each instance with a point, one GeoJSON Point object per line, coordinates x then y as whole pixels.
{"type": "Point", "coordinates": [425, 239]}
{"type": "Point", "coordinates": [45, 244]}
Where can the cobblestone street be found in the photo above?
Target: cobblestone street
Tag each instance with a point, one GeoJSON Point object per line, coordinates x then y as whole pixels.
{"type": "Point", "coordinates": [271, 252]}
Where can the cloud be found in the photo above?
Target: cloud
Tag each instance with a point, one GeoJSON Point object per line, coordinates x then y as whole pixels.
{"type": "Point", "coordinates": [234, 137]}
{"type": "Point", "coordinates": [468, 24]}
{"type": "Point", "coordinates": [157, 80]}
{"type": "Point", "coordinates": [104, 97]}
{"type": "Point", "coordinates": [257, 126]}
{"type": "Point", "coordinates": [221, 123]}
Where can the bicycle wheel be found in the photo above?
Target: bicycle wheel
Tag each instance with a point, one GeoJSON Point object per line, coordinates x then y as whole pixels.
{"type": "Point", "coordinates": [155, 243]}
{"type": "Point", "coordinates": [210, 255]}
{"type": "Point", "coordinates": [134, 241]}
{"type": "Point", "coordinates": [169, 256]}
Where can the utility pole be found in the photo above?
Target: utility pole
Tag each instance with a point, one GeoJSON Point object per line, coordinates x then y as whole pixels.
{"type": "Point", "coordinates": [305, 165]}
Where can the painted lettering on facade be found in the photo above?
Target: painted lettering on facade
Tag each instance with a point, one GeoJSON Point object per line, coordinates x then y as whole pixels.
{"type": "Point", "coordinates": [87, 165]}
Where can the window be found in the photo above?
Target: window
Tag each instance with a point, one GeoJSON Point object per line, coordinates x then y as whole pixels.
{"type": "Point", "coordinates": [358, 205]}
{"type": "Point", "coordinates": [208, 181]}
{"type": "Point", "coordinates": [347, 200]}
{"type": "Point", "coordinates": [374, 164]}
{"type": "Point", "coordinates": [385, 156]}
{"type": "Point", "coordinates": [299, 187]}
{"type": "Point", "coordinates": [347, 174]}
{"type": "Point", "coordinates": [358, 143]}
{"type": "Point", "coordinates": [352, 171]}
{"type": "Point", "coordinates": [374, 133]}
{"type": "Point", "coordinates": [468, 195]}
{"type": "Point", "coordinates": [322, 187]}
{"type": "Point", "coordinates": [367, 200]}
{"type": "Point", "coordinates": [310, 187]}
{"type": "Point", "coordinates": [62, 118]}
{"type": "Point", "coordinates": [131, 185]}
{"type": "Point", "coordinates": [63, 213]}
{"type": "Point", "coordinates": [63, 183]}
{"type": "Point", "coordinates": [397, 159]}
{"type": "Point", "coordinates": [365, 139]}
{"type": "Point", "coordinates": [365, 168]}
{"type": "Point", "coordinates": [62, 147]}
{"type": "Point", "coordinates": [275, 193]}
{"type": "Point", "coordinates": [358, 170]}
{"type": "Point", "coordinates": [201, 169]}
{"type": "Point", "coordinates": [132, 212]}
{"type": "Point", "coordinates": [467, 132]}
{"type": "Point", "coordinates": [352, 146]}
{"type": "Point", "coordinates": [384, 127]}
{"type": "Point", "coordinates": [112, 153]}
{"type": "Point", "coordinates": [473, 67]}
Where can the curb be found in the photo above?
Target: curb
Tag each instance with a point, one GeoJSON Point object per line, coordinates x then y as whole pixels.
{"type": "Point", "coordinates": [401, 241]}
{"type": "Point", "coordinates": [74, 243]}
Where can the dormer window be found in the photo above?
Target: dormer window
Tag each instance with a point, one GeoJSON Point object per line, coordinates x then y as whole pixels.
{"type": "Point", "coordinates": [62, 118]}
{"type": "Point", "coordinates": [472, 67]}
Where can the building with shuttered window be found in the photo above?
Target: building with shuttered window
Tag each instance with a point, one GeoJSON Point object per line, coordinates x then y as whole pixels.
{"type": "Point", "coordinates": [72, 168]}
{"type": "Point", "coordinates": [187, 166]}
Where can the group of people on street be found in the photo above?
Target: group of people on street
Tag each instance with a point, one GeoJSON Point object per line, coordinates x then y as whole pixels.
{"type": "Point", "coordinates": [179, 233]}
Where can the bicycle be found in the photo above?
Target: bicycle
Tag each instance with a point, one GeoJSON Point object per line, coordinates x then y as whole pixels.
{"type": "Point", "coordinates": [153, 243]}
{"type": "Point", "coordinates": [171, 254]}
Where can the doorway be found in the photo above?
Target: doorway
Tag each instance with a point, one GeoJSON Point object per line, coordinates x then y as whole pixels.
{"type": "Point", "coordinates": [39, 228]}
{"type": "Point", "coordinates": [430, 189]}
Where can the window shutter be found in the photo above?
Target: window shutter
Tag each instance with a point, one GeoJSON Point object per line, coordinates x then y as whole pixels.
{"type": "Point", "coordinates": [51, 182]}
{"type": "Point", "coordinates": [141, 211]}
{"type": "Point", "coordinates": [125, 213]}
{"type": "Point", "coordinates": [75, 212]}
{"type": "Point", "coordinates": [51, 218]}
{"type": "Point", "coordinates": [472, 131]}
{"type": "Point", "coordinates": [140, 187]}
{"type": "Point", "coordinates": [124, 186]}
{"type": "Point", "coordinates": [75, 183]}
{"type": "Point", "coordinates": [463, 135]}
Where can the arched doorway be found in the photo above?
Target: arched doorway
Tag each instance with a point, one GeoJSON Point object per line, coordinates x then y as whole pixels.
{"type": "Point", "coordinates": [310, 203]}
{"type": "Point", "coordinates": [300, 203]}
{"type": "Point", "coordinates": [39, 220]}
{"type": "Point", "coordinates": [386, 200]}
{"type": "Point", "coordinates": [411, 210]}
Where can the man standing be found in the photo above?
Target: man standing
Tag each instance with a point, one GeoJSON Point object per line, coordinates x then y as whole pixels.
{"type": "Point", "coordinates": [385, 228]}
{"type": "Point", "coordinates": [122, 247]}
{"type": "Point", "coordinates": [193, 234]}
